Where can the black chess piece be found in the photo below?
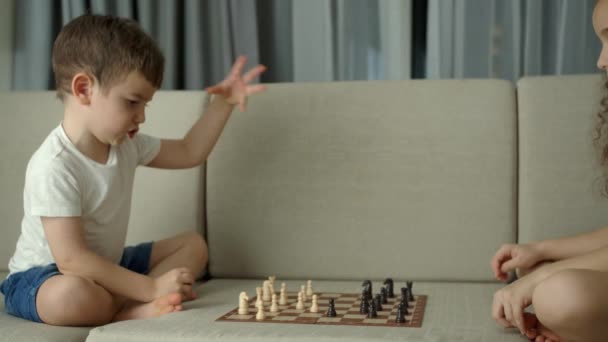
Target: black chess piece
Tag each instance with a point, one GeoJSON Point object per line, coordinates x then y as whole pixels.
{"type": "Point", "coordinates": [378, 303]}
{"type": "Point", "coordinates": [410, 285]}
{"type": "Point", "coordinates": [367, 288]}
{"type": "Point", "coordinates": [384, 295]}
{"type": "Point", "coordinates": [405, 293]}
{"type": "Point", "coordinates": [372, 313]}
{"type": "Point", "coordinates": [331, 310]}
{"type": "Point", "coordinates": [404, 305]}
{"type": "Point", "coordinates": [364, 295]}
{"type": "Point", "coordinates": [400, 314]}
{"type": "Point", "coordinates": [364, 308]}
{"type": "Point", "coordinates": [388, 282]}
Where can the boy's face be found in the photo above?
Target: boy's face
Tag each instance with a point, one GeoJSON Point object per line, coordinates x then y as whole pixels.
{"type": "Point", "coordinates": [117, 113]}
{"type": "Point", "coordinates": [600, 25]}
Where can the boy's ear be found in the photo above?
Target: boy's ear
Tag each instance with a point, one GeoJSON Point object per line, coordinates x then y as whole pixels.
{"type": "Point", "coordinates": [82, 88]}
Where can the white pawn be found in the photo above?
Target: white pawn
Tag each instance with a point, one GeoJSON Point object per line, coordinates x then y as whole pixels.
{"type": "Point", "coordinates": [303, 290]}
{"type": "Point", "coordinates": [266, 291]}
{"type": "Point", "coordinates": [314, 308]}
{"type": "Point", "coordinates": [274, 307]}
{"type": "Point", "coordinates": [243, 303]}
{"type": "Point", "coordinates": [283, 296]}
{"type": "Point", "coordinates": [272, 279]}
{"type": "Point", "coordinates": [300, 303]}
{"type": "Point", "coordinates": [309, 291]}
{"type": "Point", "coordinates": [258, 301]}
{"type": "Point", "coordinates": [260, 315]}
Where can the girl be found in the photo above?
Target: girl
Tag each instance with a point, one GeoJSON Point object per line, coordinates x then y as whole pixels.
{"type": "Point", "coordinates": [566, 280]}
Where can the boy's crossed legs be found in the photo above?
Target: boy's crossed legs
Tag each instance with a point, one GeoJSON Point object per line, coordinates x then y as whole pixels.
{"type": "Point", "coordinates": [70, 300]}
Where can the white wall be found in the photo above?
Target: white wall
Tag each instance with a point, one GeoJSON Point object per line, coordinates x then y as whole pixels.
{"type": "Point", "coordinates": [6, 43]}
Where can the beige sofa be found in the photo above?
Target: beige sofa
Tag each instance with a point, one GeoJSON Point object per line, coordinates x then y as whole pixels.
{"type": "Point", "coordinates": [340, 182]}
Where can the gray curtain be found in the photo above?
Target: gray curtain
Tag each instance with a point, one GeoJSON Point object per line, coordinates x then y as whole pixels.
{"type": "Point", "coordinates": [312, 40]}
{"type": "Point", "coordinates": [200, 39]}
{"type": "Point", "coordinates": [510, 39]}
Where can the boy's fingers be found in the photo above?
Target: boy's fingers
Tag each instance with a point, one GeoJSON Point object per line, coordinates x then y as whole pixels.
{"type": "Point", "coordinates": [238, 66]}
{"type": "Point", "coordinates": [186, 277]}
{"type": "Point", "coordinates": [258, 88]}
{"type": "Point", "coordinates": [253, 73]}
{"type": "Point", "coordinates": [214, 89]}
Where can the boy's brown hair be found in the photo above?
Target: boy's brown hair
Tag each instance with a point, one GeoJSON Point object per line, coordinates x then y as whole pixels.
{"type": "Point", "coordinates": [107, 48]}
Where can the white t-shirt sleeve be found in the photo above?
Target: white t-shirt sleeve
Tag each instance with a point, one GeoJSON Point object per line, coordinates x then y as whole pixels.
{"type": "Point", "coordinates": [147, 148]}
{"type": "Point", "coordinates": [53, 192]}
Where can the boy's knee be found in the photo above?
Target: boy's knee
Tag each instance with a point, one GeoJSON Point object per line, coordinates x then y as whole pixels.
{"type": "Point", "coordinates": [73, 299]}
{"type": "Point", "coordinates": [198, 246]}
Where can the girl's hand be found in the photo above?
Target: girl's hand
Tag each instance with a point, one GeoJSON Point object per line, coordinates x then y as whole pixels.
{"type": "Point", "coordinates": [512, 256]}
{"type": "Point", "coordinates": [235, 88]}
{"type": "Point", "coordinates": [511, 301]}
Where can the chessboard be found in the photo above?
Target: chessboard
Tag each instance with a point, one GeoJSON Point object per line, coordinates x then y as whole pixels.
{"type": "Point", "coordinates": [347, 308]}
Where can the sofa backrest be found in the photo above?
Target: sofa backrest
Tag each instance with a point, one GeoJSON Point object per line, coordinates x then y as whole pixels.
{"type": "Point", "coordinates": [164, 203]}
{"type": "Point", "coordinates": [559, 173]}
{"type": "Point", "coordinates": [406, 179]}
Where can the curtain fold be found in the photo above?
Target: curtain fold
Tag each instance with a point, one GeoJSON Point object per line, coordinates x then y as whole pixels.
{"type": "Point", "coordinates": [314, 40]}
{"type": "Point", "coordinates": [510, 39]}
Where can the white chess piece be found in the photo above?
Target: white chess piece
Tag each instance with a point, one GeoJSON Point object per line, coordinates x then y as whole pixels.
{"type": "Point", "coordinates": [314, 308]}
{"type": "Point", "coordinates": [260, 315]}
{"type": "Point", "coordinates": [309, 291]}
{"type": "Point", "coordinates": [272, 280]}
{"type": "Point", "coordinates": [274, 307]}
{"type": "Point", "coordinates": [303, 290]}
{"type": "Point", "coordinates": [243, 303]}
{"type": "Point", "coordinates": [258, 301]}
{"type": "Point", "coordinates": [300, 303]}
{"type": "Point", "coordinates": [283, 296]}
{"type": "Point", "coordinates": [266, 291]}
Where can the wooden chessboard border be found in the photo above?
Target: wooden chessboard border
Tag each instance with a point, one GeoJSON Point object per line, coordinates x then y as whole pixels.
{"type": "Point", "coordinates": [415, 321]}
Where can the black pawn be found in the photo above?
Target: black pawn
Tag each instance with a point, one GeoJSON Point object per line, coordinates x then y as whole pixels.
{"type": "Point", "coordinates": [378, 303]}
{"type": "Point", "coordinates": [331, 310]}
{"type": "Point", "coordinates": [405, 294]}
{"type": "Point", "coordinates": [372, 311]}
{"type": "Point", "coordinates": [400, 314]}
{"type": "Point", "coordinates": [364, 308]}
{"type": "Point", "coordinates": [410, 285]}
{"type": "Point", "coordinates": [384, 295]}
{"type": "Point", "coordinates": [404, 306]}
{"type": "Point", "coordinates": [367, 288]}
{"type": "Point", "coordinates": [388, 282]}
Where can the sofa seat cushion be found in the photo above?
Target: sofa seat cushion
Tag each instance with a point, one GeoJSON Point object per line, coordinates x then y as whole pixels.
{"type": "Point", "coordinates": [16, 329]}
{"type": "Point", "coordinates": [455, 312]}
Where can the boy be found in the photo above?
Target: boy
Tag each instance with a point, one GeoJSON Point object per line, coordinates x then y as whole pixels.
{"type": "Point", "coordinates": [70, 267]}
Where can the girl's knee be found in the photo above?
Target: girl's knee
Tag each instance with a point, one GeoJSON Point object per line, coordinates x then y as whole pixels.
{"type": "Point", "coordinates": [563, 297]}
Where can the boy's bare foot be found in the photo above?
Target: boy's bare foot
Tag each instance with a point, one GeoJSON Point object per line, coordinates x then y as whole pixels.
{"type": "Point", "coordinates": [161, 306]}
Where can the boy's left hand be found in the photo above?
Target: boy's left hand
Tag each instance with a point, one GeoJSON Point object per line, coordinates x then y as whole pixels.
{"type": "Point", "coordinates": [235, 88]}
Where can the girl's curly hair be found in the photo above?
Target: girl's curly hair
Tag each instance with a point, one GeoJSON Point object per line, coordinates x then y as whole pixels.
{"type": "Point", "coordinates": [600, 140]}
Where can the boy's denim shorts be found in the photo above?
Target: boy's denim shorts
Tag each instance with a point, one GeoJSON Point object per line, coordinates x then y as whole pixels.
{"type": "Point", "coordinates": [20, 289]}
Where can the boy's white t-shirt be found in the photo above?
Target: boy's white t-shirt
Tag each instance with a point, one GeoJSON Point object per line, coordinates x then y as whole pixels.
{"type": "Point", "coordinates": [62, 182]}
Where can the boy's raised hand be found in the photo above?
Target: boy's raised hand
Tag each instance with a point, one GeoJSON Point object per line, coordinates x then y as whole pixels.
{"type": "Point", "coordinates": [235, 88]}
